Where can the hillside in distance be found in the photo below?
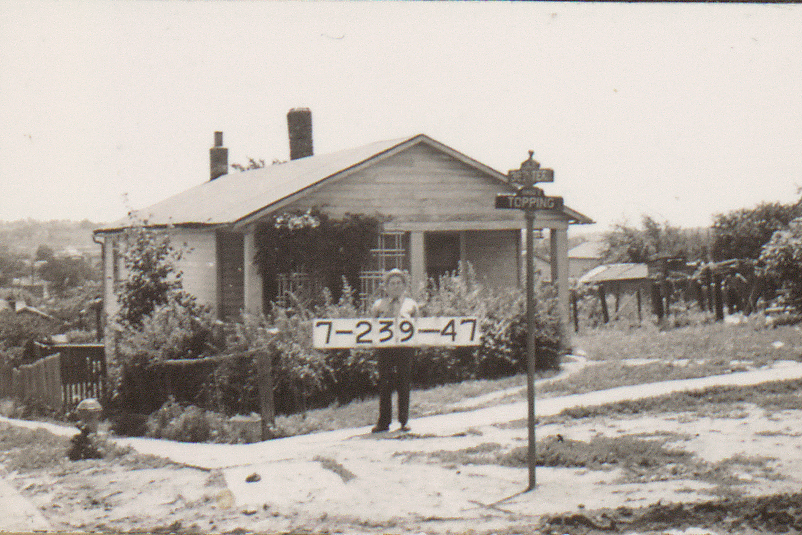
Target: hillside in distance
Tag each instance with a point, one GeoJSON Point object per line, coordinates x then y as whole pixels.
{"type": "Point", "coordinates": [25, 236]}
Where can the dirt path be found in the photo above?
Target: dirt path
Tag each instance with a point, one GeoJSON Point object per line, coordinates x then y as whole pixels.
{"type": "Point", "coordinates": [354, 481]}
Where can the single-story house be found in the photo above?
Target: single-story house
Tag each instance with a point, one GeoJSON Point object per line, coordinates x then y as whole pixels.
{"type": "Point", "coordinates": [584, 257]}
{"type": "Point", "coordinates": [436, 204]}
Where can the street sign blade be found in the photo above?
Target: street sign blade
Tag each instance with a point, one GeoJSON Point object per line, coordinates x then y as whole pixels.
{"type": "Point", "coordinates": [524, 201]}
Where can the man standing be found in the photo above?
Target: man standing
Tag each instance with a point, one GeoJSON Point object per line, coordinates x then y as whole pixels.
{"type": "Point", "coordinates": [395, 304]}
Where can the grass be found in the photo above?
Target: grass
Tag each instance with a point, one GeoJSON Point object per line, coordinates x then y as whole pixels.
{"type": "Point", "coordinates": [359, 413]}
{"type": "Point", "coordinates": [629, 452]}
{"type": "Point", "coordinates": [780, 395]}
{"type": "Point", "coordinates": [29, 450]}
{"type": "Point", "coordinates": [687, 352]}
{"type": "Point", "coordinates": [698, 350]}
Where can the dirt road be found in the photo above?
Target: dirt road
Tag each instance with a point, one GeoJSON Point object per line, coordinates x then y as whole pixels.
{"type": "Point", "coordinates": [437, 479]}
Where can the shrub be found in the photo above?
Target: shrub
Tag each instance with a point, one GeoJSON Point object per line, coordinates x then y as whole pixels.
{"type": "Point", "coordinates": [782, 256]}
{"type": "Point", "coordinates": [305, 378]}
{"type": "Point", "coordinates": [187, 424]}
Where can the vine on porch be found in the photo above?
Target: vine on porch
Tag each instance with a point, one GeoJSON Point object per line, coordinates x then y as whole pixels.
{"type": "Point", "coordinates": [309, 241]}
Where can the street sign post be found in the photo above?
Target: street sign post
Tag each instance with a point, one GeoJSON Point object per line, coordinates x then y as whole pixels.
{"type": "Point", "coordinates": [530, 199]}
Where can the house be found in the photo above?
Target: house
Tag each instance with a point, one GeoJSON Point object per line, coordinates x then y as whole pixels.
{"type": "Point", "coordinates": [584, 257]}
{"type": "Point", "coordinates": [436, 204]}
{"type": "Point", "coordinates": [581, 259]}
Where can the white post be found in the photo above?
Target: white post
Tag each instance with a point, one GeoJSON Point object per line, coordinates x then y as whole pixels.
{"type": "Point", "coordinates": [417, 254]}
{"type": "Point", "coordinates": [252, 279]}
{"type": "Point", "coordinates": [559, 267]}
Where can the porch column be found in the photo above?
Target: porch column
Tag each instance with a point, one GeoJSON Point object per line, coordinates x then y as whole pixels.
{"type": "Point", "coordinates": [559, 269]}
{"type": "Point", "coordinates": [463, 258]}
{"type": "Point", "coordinates": [417, 261]}
{"type": "Point", "coordinates": [252, 280]}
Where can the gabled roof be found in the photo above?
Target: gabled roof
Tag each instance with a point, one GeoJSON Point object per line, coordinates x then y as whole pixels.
{"type": "Point", "coordinates": [588, 249]}
{"type": "Point", "coordinates": [615, 272]}
{"type": "Point", "coordinates": [238, 198]}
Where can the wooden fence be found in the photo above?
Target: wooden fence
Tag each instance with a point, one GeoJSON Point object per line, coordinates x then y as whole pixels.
{"type": "Point", "coordinates": [62, 376]}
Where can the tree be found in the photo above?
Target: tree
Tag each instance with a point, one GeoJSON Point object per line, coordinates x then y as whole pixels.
{"type": "Point", "coordinates": [153, 279]}
{"type": "Point", "coordinates": [158, 319]}
{"type": "Point", "coordinates": [782, 256]}
{"type": "Point", "coordinates": [743, 233]}
{"type": "Point", "coordinates": [65, 272]}
{"type": "Point", "coordinates": [629, 244]}
{"type": "Point", "coordinates": [11, 265]}
{"type": "Point", "coordinates": [255, 164]}
{"type": "Point", "coordinates": [45, 253]}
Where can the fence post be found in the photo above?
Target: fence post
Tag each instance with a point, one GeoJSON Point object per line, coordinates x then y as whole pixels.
{"type": "Point", "coordinates": [717, 297]}
{"type": "Point", "coordinates": [264, 369]}
{"type": "Point", "coordinates": [603, 299]}
{"type": "Point", "coordinates": [575, 310]}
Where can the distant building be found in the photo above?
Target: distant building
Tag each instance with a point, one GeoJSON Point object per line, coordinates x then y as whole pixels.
{"type": "Point", "coordinates": [584, 257]}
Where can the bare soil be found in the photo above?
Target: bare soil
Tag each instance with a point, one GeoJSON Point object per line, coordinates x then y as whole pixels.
{"type": "Point", "coordinates": [732, 470]}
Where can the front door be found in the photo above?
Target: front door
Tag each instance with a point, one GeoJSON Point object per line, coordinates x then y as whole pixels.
{"type": "Point", "coordinates": [442, 253]}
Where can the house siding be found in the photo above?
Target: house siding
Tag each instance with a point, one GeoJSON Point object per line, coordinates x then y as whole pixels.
{"type": "Point", "coordinates": [197, 265]}
{"type": "Point", "coordinates": [418, 185]}
{"type": "Point", "coordinates": [494, 256]}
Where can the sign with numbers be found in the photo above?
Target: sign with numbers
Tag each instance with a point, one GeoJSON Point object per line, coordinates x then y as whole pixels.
{"type": "Point", "coordinates": [342, 333]}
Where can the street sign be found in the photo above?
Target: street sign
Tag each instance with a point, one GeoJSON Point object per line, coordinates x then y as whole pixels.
{"type": "Point", "coordinates": [345, 333]}
{"type": "Point", "coordinates": [528, 201]}
{"type": "Point", "coordinates": [531, 173]}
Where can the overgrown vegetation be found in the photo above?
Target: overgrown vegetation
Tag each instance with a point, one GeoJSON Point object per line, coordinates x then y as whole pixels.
{"type": "Point", "coordinates": [742, 233]}
{"type": "Point", "coordinates": [332, 251]}
{"type": "Point", "coordinates": [626, 243]}
{"type": "Point", "coordinates": [782, 257]}
{"type": "Point", "coordinates": [781, 395]}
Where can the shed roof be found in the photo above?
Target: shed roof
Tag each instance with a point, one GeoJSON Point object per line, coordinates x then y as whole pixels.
{"type": "Point", "coordinates": [615, 272]}
{"type": "Point", "coordinates": [243, 196]}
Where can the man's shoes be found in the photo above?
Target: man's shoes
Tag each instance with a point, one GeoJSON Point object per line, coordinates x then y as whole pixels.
{"type": "Point", "coordinates": [380, 429]}
{"type": "Point", "coordinates": [405, 428]}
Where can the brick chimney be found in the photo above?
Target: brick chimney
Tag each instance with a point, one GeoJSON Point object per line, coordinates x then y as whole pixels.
{"type": "Point", "coordinates": [299, 124]}
{"type": "Point", "coordinates": [218, 157]}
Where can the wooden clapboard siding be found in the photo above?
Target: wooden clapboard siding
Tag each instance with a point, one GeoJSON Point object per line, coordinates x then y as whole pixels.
{"type": "Point", "coordinates": [198, 264]}
{"type": "Point", "coordinates": [230, 248]}
{"type": "Point", "coordinates": [494, 256]}
{"type": "Point", "coordinates": [420, 184]}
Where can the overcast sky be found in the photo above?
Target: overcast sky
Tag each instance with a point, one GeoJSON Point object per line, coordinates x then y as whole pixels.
{"type": "Point", "coordinates": [678, 111]}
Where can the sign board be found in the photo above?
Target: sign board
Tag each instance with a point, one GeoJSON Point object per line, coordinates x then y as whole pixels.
{"type": "Point", "coordinates": [528, 201]}
{"type": "Point", "coordinates": [345, 333]}
{"type": "Point", "coordinates": [529, 174]}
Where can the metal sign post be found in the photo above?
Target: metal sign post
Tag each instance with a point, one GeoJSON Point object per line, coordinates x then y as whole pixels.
{"type": "Point", "coordinates": [530, 199]}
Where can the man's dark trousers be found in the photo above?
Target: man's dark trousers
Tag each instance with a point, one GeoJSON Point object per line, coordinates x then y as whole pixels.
{"type": "Point", "coordinates": [398, 359]}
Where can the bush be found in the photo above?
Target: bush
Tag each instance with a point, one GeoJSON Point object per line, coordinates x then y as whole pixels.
{"type": "Point", "coordinates": [782, 257]}
{"type": "Point", "coordinates": [305, 378]}
{"type": "Point", "coordinates": [187, 424]}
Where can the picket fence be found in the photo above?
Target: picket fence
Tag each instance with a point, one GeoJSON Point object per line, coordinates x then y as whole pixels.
{"type": "Point", "coordinates": [63, 376]}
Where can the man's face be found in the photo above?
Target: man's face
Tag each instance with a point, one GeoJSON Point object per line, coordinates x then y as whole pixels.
{"type": "Point", "coordinates": [395, 287]}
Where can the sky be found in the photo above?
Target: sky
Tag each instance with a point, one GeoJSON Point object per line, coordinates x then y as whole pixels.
{"type": "Point", "coordinates": [675, 111]}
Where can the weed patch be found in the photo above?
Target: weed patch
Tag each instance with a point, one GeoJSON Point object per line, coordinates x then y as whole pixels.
{"type": "Point", "coordinates": [766, 514]}
{"type": "Point", "coordinates": [330, 464]}
{"type": "Point", "coordinates": [781, 395]}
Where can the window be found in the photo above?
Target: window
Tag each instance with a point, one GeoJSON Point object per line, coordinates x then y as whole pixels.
{"type": "Point", "coordinates": [391, 252]}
